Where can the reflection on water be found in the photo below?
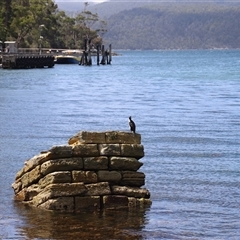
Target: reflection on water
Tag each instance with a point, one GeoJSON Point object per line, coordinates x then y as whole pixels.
{"type": "Point", "coordinates": [41, 224]}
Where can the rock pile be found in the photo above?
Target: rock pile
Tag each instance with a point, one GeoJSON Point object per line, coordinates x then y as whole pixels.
{"type": "Point", "coordinates": [96, 170]}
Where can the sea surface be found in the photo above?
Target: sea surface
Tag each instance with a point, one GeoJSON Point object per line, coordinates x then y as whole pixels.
{"type": "Point", "coordinates": [186, 106]}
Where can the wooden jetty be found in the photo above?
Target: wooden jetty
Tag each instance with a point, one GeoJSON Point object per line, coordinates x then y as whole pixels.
{"type": "Point", "coordinates": [23, 61]}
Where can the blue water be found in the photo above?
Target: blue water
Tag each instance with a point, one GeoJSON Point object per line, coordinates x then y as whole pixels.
{"type": "Point", "coordinates": [186, 105]}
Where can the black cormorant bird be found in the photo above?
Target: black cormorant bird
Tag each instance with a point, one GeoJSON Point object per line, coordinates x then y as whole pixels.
{"type": "Point", "coordinates": [132, 125]}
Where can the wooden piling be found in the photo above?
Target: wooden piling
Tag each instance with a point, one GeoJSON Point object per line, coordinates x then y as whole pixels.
{"type": "Point", "coordinates": [103, 61]}
{"type": "Point", "coordinates": [89, 62]}
{"type": "Point", "coordinates": [86, 58]}
{"type": "Point", "coordinates": [110, 53]}
{"type": "Point", "coordinates": [98, 55]}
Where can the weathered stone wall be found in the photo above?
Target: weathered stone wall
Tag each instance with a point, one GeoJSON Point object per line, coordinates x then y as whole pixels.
{"type": "Point", "coordinates": [95, 170]}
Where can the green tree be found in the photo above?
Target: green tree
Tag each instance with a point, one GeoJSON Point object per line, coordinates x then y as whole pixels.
{"type": "Point", "coordinates": [31, 19]}
{"type": "Point", "coordinates": [65, 34]}
{"type": "Point", "coordinates": [5, 18]}
{"type": "Point", "coordinates": [73, 31]}
{"type": "Point", "coordinates": [30, 22]}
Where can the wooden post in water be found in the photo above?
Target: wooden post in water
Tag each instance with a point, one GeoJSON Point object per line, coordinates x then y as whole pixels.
{"type": "Point", "coordinates": [89, 62]}
{"type": "Point", "coordinates": [110, 54]}
{"type": "Point", "coordinates": [98, 54]}
{"type": "Point", "coordinates": [103, 62]}
{"type": "Point", "coordinates": [85, 44]}
{"type": "Point", "coordinates": [83, 60]}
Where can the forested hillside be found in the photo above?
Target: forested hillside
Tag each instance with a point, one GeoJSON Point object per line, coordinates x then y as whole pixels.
{"type": "Point", "coordinates": [176, 26]}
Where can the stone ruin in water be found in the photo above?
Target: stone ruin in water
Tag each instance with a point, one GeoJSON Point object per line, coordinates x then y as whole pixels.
{"type": "Point", "coordinates": [96, 170]}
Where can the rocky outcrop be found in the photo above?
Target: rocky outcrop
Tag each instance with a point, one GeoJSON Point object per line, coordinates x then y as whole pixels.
{"type": "Point", "coordinates": [96, 170]}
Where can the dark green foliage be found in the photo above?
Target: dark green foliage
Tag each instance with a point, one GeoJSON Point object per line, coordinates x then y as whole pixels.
{"type": "Point", "coordinates": [176, 26]}
{"type": "Point", "coordinates": [5, 17]}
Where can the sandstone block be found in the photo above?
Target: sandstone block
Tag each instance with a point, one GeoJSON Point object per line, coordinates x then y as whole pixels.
{"type": "Point", "coordinates": [132, 150]}
{"type": "Point", "coordinates": [125, 163]}
{"type": "Point", "coordinates": [85, 150]}
{"type": "Point", "coordinates": [64, 204]}
{"type": "Point", "coordinates": [115, 202]}
{"type": "Point", "coordinates": [109, 176]}
{"type": "Point", "coordinates": [33, 162]}
{"type": "Point", "coordinates": [87, 203]}
{"type": "Point", "coordinates": [60, 152]}
{"type": "Point", "coordinates": [59, 190]}
{"type": "Point", "coordinates": [33, 191]}
{"type": "Point", "coordinates": [143, 202]}
{"type": "Point", "coordinates": [31, 177]}
{"type": "Point", "coordinates": [98, 189]}
{"type": "Point", "coordinates": [84, 176]}
{"type": "Point", "coordinates": [66, 164]}
{"type": "Point", "coordinates": [56, 177]}
{"type": "Point", "coordinates": [73, 140]}
{"type": "Point", "coordinates": [95, 163]}
{"type": "Point", "coordinates": [84, 137]}
{"type": "Point", "coordinates": [122, 137]}
{"type": "Point", "coordinates": [139, 202]}
{"type": "Point", "coordinates": [109, 149]}
{"type": "Point", "coordinates": [131, 191]}
{"type": "Point", "coordinates": [17, 186]}
{"type": "Point", "coordinates": [21, 196]}
{"type": "Point", "coordinates": [134, 179]}
{"type": "Point", "coordinates": [20, 173]}
{"type": "Point", "coordinates": [27, 194]}
{"type": "Point", "coordinates": [132, 202]}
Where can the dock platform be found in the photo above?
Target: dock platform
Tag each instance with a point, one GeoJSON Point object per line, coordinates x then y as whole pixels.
{"type": "Point", "coordinates": [24, 61]}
